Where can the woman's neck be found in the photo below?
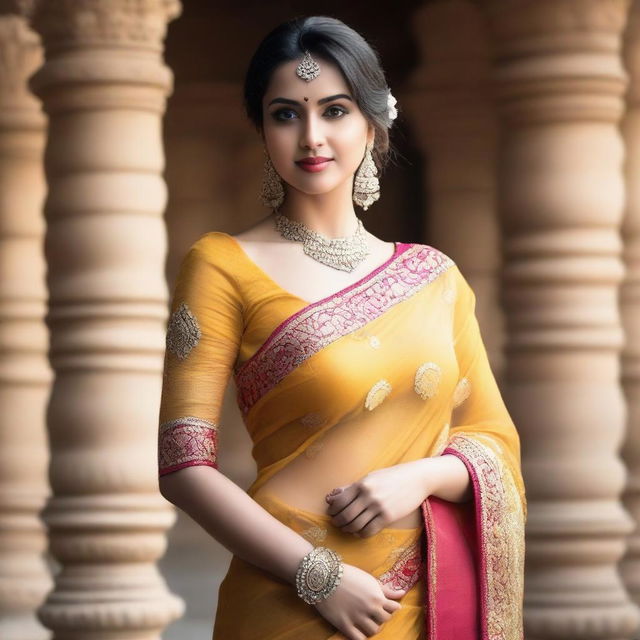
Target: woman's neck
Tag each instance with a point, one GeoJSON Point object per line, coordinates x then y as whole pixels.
{"type": "Point", "coordinates": [331, 214]}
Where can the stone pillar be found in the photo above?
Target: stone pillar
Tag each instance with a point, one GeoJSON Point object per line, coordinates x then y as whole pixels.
{"type": "Point", "coordinates": [559, 86]}
{"type": "Point", "coordinates": [25, 376]}
{"type": "Point", "coordinates": [630, 296]}
{"type": "Point", "coordinates": [449, 105]}
{"type": "Point", "coordinates": [104, 86]}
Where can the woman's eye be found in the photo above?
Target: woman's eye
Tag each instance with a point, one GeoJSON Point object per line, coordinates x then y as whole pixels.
{"type": "Point", "coordinates": [284, 114]}
{"type": "Point", "coordinates": [336, 111]}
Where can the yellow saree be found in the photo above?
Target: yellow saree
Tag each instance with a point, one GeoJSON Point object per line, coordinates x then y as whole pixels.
{"type": "Point", "coordinates": [386, 371]}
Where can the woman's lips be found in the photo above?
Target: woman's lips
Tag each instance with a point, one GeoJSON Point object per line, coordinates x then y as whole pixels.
{"type": "Point", "coordinates": [313, 165]}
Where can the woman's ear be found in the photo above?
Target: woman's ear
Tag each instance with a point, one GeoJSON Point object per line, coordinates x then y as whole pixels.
{"type": "Point", "coordinates": [371, 135]}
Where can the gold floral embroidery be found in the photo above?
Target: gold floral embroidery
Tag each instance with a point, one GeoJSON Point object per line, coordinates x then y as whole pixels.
{"type": "Point", "coordinates": [449, 293]}
{"type": "Point", "coordinates": [501, 534]}
{"type": "Point", "coordinates": [314, 534]}
{"type": "Point", "coordinates": [431, 567]}
{"type": "Point", "coordinates": [405, 571]}
{"type": "Point", "coordinates": [183, 332]}
{"type": "Point", "coordinates": [441, 441]}
{"type": "Point", "coordinates": [312, 450]}
{"type": "Point", "coordinates": [461, 392]}
{"type": "Point", "coordinates": [427, 380]}
{"type": "Point", "coordinates": [362, 334]}
{"type": "Point", "coordinates": [313, 419]}
{"type": "Point", "coordinates": [378, 392]}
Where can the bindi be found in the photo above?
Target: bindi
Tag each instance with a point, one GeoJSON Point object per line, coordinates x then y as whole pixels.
{"type": "Point", "coordinates": [306, 99]}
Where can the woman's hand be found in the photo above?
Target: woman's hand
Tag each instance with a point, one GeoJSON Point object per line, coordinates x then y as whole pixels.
{"type": "Point", "coordinates": [360, 605]}
{"type": "Point", "coordinates": [381, 497]}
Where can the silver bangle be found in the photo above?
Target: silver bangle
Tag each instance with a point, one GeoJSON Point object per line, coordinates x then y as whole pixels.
{"type": "Point", "coordinates": [318, 574]}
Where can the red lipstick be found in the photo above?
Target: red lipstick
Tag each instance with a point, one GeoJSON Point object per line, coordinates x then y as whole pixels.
{"type": "Point", "coordinates": [313, 164]}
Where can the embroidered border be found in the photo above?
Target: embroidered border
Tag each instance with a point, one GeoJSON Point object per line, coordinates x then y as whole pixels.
{"type": "Point", "coordinates": [405, 571]}
{"type": "Point", "coordinates": [319, 324]}
{"type": "Point", "coordinates": [500, 524]}
{"type": "Point", "coordinates": [186, 442]}
{"type": "Point", "coordinates": [431, 568]}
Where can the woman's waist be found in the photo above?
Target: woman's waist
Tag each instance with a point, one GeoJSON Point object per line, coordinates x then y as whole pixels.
{"type": "Point", "coordinates": [307, 499]}
{"type": "Point", "coordinates": [392, 554]}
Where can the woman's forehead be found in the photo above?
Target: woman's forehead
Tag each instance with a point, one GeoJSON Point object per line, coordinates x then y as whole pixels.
{"type": "Point", "coordinates": [285, 83]}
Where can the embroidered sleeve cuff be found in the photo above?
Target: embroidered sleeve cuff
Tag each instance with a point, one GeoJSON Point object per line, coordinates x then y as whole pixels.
{"type": "Point", "coordinates": [187, 442]}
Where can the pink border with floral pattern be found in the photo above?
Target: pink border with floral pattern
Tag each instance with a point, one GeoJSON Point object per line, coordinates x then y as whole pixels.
{"type": "Point", "coordinates": [319, 324]}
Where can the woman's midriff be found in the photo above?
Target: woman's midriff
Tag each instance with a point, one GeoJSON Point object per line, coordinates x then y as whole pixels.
{"type": "Point", "coordinates": [308, 494]}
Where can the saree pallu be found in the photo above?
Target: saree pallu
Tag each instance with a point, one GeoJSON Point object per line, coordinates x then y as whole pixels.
{"type": "Point", "coordinates": [388, 370]}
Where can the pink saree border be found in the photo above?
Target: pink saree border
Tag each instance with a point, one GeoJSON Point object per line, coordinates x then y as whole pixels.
{"type": "Point", "coordinates": [499, 534]}
{"type": "Point", "coordinates": [187, 441]}
{"type": "Point", "coordinates": [319, 324]}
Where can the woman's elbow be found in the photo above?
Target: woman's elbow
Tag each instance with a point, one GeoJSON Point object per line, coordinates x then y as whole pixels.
{"type": "Point", "coordinates": [179, 484]}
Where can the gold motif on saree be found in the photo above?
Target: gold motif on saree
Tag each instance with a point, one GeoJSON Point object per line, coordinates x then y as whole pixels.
{"type": "Point", "coordinates": [449, 293]}
{"type": "Point", "coordinates": [373, 340]}
{"type": "Point", "coordinates": [312, 450]}
{"type": "Point", "coordinates": [427, 380]}
{"type": "Point", "coordinates": [183, 332]}
{"type": "Point", "coordinates": [501, 517]}
{"type": "Point", "coordinates": [313, 419]}
{"type": "Point", "coordinates": [315, 535]}
{"type": "Point", "coordinates": [378, 392]}
{"type": "Point", "coordinates": [461, 392]}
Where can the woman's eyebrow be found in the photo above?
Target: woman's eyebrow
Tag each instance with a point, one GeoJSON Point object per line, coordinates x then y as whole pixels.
{"type": "Point", "coordinates": [321, 101]}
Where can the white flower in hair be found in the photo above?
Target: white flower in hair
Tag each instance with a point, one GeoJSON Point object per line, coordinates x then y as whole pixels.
{"type": "Point", "coordinates": [391, 104]}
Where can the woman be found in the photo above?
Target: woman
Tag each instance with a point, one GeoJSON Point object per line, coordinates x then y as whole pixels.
{"type": "Point", "coordinates": [388, 500]}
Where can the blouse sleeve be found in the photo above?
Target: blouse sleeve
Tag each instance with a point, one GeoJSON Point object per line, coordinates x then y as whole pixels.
{"type": "Point", "coordinates": [202, 341]}
{"type": "Point", "coordinates": [484, 437]}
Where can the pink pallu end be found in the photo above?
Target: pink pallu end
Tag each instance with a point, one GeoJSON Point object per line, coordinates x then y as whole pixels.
{"type": "Point", "coordinates": [452, 601]}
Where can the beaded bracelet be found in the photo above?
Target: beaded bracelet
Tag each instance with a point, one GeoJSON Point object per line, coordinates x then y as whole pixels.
{"type": "Point", "coordinates": [318, 574]}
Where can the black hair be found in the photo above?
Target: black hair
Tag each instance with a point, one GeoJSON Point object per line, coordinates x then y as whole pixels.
{"type": "Point", "coordinates": [333, 40]}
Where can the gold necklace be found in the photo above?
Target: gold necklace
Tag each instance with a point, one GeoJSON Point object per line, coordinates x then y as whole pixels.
{"type": "Point", "coordinates": [344, 253]}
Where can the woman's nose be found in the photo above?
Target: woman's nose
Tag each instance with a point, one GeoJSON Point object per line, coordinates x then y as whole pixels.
{"type": "Point", "coordinates": [311, 136]}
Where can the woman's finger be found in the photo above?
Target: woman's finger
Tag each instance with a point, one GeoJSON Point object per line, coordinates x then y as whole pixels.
{"type": "Point", "coordinates": [360, 521]}
{"type": "Point", "coordinates": [339, 501]}
{"type": "Point", "coordinates": [375, 525]}
{"type": "Point", "coordinates": [349, 513]}
{"type": "Point", "coordinates": [368, 626]}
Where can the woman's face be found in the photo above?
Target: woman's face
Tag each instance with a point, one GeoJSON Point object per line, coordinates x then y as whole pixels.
{"type": "Point", "coordinates": [316, 119]}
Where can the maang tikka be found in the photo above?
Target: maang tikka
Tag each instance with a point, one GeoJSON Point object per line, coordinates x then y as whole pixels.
{"type": "Point", "coordinates": [308, 69]}
{"type": "Point", "coordinates": [272, 188]}
{"type": "Point", "coordinates": [366, 186]}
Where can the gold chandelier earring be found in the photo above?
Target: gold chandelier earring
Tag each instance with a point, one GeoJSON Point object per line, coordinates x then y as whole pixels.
{"type": "Point", "coordinates": [272, 188]}
{"type": "Point", "coordinates": [366, 186]}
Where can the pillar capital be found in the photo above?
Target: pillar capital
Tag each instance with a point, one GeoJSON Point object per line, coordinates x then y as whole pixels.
{"type": "Point", "coordinates": [20, 56]}
{"type": "Point", "coordinates": [68, 24]}
{"type": "Point", "coordinates": [558, 60]}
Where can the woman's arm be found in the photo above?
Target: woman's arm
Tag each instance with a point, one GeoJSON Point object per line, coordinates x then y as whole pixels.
{"type": "Point", "coordinates": [446, 477]}
{"type": "Point", "coordinates": [235, 520]}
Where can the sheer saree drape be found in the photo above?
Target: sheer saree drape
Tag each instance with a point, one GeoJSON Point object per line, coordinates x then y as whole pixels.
{"type": "Point", "coordinates": [388, 370]}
